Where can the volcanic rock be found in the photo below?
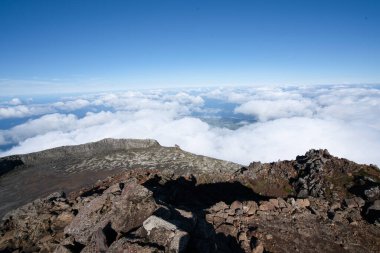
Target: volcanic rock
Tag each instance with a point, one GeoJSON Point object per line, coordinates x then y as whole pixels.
{"type": "Point", "coordinates": [316, 203]}
{"type": "Point", "coordinates": [24, 178]}
{"type": "Point", "coordinates": [373, 212]}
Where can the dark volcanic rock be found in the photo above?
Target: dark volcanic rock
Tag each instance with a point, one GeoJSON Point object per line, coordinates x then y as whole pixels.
{"type": "Point", "coordinates": [316, 203]}
{"type": "Point", "coordinates": [10, 163]}
{"type": "Point", "coordinates": [373, 212]}
{"type": "Point", "coordinates": [310, 180]}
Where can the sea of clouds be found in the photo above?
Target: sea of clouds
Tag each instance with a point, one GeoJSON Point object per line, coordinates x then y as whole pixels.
{"type": "Point", "coordinates": [237, 124]}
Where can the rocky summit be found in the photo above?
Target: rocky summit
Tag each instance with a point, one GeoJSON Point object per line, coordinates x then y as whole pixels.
{"type": "Point", "coordinates": [137, 196]}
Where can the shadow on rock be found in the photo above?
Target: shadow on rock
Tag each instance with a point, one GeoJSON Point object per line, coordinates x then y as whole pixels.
{"type": "Point", "coordinates": [187, 205]}
{"type": "Point", "coordinates": [8, 164]}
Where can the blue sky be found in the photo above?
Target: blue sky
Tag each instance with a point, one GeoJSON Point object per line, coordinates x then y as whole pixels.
{"type": "Point", "coordinates": [67, 46]}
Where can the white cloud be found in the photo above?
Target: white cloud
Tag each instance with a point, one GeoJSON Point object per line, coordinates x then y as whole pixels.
{"type": "Point", "coordinates": [244, 95]}
{"type": "Point", "coordinates": [185, 98]}
{"type": "Point", "coordinates": [44, 124]}
{"type": "Point", "coordinates": [341, 119]}
{"type": "Point", "coordinates": [265, 110]}
{"type": "Point", "coordinates": [15, 101]}
{"type": "Point", "coordinates": [354, 105]}
{"type": "Point", "coordinates": [71, 105]}
{"type": "Point", "coordinates": [266, 141]}
{"type": "Point", "coordinates": [14, 111]}
{"type": "Point", "coordinates": [180, 103]}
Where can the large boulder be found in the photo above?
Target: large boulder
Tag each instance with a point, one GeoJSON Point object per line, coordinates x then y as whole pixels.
{"type": "Point", "coordinates": [166, 234]}
{"type": "Point", "coordinates": [121, 212]}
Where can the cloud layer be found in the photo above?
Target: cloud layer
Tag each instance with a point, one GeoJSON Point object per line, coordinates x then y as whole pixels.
{"type": "Point", "coordinates": [287, 121]}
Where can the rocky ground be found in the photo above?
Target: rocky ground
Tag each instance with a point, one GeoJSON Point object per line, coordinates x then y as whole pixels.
{"type": "Point", "coordinates": [24, 178]}
{"type": "Point", "coordinates": [316, 203]}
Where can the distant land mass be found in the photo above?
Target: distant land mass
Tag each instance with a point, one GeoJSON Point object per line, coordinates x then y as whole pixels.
{"type": "Point", "coordinates": [130, 195]}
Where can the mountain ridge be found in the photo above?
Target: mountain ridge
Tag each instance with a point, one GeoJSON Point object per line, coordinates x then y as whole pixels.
{"type": "Point", "coordinates": [69, 168]}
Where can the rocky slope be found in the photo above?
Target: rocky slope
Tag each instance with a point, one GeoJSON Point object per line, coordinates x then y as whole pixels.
{"type": "Point", "coordinates": [315, 203]}
{"type": "Point", "coordinates": [24, 178]}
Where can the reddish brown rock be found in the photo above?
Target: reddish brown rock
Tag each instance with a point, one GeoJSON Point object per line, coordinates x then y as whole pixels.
{"type": "Point", "coordinates": [302, 203]}
{"type": "Point", "coordinates": [97, 244]}
{"type": "Point", "coordinates": [266, 206]}
{"type": "Point", "coordinates": [124, 245]}
{"type": "Point", "coordinates": [236, 205]}
{"type": "Point", "coordinates": [123, 212]}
